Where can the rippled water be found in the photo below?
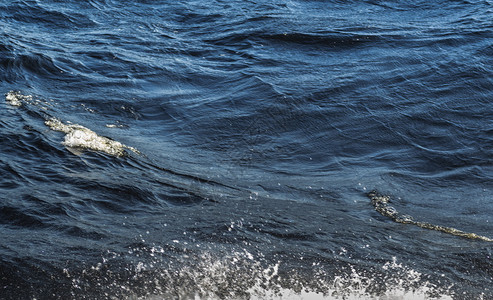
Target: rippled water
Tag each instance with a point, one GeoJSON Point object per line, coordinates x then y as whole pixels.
{"type": "Point", "coordinates": [218, 150]}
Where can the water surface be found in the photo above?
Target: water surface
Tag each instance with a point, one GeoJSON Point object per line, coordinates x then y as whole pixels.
{"type": "Point", "coordinates": [226, 149]}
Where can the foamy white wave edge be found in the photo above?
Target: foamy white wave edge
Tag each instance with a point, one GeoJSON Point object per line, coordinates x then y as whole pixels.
{"type": "Point", "coordinates": [240, 275]}
{"type": "Point", "coordinates": [76, 136]}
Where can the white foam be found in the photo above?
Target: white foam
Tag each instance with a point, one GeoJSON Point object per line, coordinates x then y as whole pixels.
{"type": "Point", "coordinates": [16, 98]}
{"type": "Point", "coordinates": [239, 275]}
{"type": "Point", "coordinates": [78, 136]}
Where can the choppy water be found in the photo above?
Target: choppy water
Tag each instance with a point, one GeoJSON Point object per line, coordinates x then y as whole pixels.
{"type": "Point", "coordinates": [226, 149]}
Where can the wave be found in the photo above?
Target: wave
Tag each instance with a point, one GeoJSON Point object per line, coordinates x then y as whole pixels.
{"type": "Point", "coordinates": [47, 15]}
{"type": "Point", "coordinates": [381, 204]}
{"type": "Point", "coordinates": [175, 188]}
{"type": "Point", "coordinates": [38, 64]}
{"type": "Point", "coordinates": [239, 274]}
{"type": "Point", "coordinates": [77, 136]}
{"type": "Point", "coordinates": [80, 137]}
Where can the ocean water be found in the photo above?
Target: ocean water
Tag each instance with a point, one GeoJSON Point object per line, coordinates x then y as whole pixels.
{"type": "Point", "coordinates": [246, 149]}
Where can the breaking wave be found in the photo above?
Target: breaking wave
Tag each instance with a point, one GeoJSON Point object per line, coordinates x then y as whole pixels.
{"type": "Point", "coordinates": [243, 275]}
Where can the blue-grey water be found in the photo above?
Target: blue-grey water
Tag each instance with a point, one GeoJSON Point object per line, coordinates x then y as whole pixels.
{"type": "Point", "coordinates": [226, 149]}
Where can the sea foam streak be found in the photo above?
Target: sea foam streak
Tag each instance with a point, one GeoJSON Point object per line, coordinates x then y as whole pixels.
{"type": "Point", "coordinates": [15, 99]}
{"type": "Point", "coordinates": [381, 204]}
{"type": "Point", "coordinates": [77, 136]}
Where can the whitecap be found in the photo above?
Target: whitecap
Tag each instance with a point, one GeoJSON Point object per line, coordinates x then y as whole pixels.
{"type": "Point", "coordinates": [77, 137]}
{"type": "Point", "coordinates": [16, 98]}
{"type": "Point", "coordinates": [80, 137]}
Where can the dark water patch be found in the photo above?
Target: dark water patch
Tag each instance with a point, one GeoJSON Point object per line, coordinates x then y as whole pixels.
{"type": "Point", "coordinates": [34, 64]}
{"type": "Point", "coordinates": [45, 16]}
{"type": "Point", "coordinates": [29, 145]}
{"type": "Point", "coordinates": [83, 233]}
{"type": "Point", "coordinates": [15, 217]}
{"type": "Point", "coordinates": [11, 175]}
{"type": "Point", "coordinates": [130, 198]}
{"type": "Point", "coordinates": [335, 40]}
{"type": "Point", "coordinates": [179, 197]}
{"type": "Point", "coordinates": [287, 234]}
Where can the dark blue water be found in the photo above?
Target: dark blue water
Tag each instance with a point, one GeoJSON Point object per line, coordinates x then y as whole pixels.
{"type": "Point", "coordinates": [226, 149]}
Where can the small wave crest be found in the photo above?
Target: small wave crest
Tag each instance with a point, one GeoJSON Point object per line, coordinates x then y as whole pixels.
{"type": "Point", "coordinates": [76, 136]}
{"type": "Point", "coordinates": [381, 204]}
